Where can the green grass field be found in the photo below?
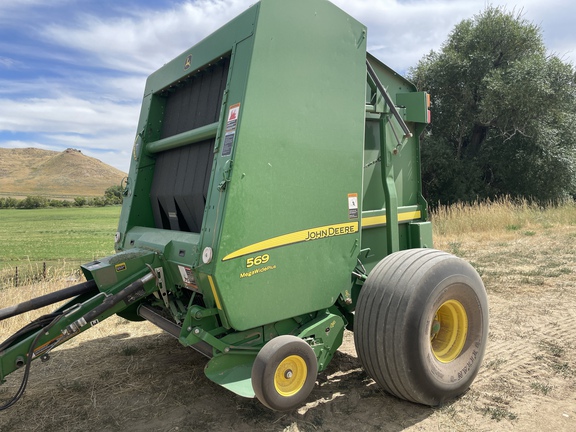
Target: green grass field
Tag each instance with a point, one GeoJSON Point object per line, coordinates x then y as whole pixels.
{"type": "Point", "coordinates": [67, 237]}
{"type": "Point", "coordinates": [63, 238]}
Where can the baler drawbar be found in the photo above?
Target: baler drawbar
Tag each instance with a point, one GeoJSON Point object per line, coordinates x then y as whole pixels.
{"type": "Point", "coordinates": [274, 201]}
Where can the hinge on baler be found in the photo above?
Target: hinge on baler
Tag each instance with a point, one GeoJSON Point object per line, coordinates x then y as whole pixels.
{"type": "Point", "coordinates": [161, 284]}
{"type": "Point", "coordinates": [159, 273]}
{"type": "Point", "coordinates": [225, 175]}
{"type": "Point", "coordinates": [386, 96]}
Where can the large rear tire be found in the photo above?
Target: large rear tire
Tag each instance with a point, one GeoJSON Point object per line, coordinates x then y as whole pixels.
{"type": "Point", "coordinates": [421, 325]}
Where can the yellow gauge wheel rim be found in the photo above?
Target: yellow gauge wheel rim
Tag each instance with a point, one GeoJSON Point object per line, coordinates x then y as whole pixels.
{"type": "Point", "coordinates": [290, 375]}
{"type": "Point", "coordinates": [448, 331]}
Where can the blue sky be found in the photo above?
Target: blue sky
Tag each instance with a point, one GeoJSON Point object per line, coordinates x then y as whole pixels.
{"type": "Point", "coordinates": [72, 72]}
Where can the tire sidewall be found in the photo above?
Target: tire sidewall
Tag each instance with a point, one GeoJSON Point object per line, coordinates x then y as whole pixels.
{"type": "Point", "coordinates": [270, 360]}
{"type": "Point", "coordinates": [440, 380]}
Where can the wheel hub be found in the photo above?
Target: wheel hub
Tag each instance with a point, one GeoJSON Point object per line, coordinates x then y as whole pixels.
{"type": "Point", "coordinates": [448, 331]}
{"type": "Point", "coordinates": [290, 375]}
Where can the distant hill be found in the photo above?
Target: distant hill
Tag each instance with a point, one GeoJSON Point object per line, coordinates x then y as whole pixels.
{"type": "Point", "coordinates": [31, 171]}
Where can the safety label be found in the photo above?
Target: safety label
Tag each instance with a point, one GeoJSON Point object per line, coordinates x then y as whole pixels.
{"type": "Point", "coordinates": [353, 206]}
{"type": "Point", "coordinates": [231, 124]}
{"type": "Point", "coordinates": [188, 62]}
{"type": "Point", "coordinates": [188, 277]}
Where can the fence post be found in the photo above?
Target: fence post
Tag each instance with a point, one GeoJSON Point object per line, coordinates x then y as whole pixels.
{"type": "Point", "coordinates": [44, 270]}
{"type": "Point", "coordinates": [16, 277]}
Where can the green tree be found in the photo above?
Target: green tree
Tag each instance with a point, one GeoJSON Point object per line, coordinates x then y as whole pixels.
{"type": "Point", "coordinates": [113, 195]}
{"type": "Point", "coordinates": [32, 202]}
{"type": "Point", "coordinates": [80, 201]}
{"type": "Point", "coordinates": [10, 203]}
{"type": "Point", "coordinates": [503, 112]}
{"type": "Point", "coordinates": [55, 203]}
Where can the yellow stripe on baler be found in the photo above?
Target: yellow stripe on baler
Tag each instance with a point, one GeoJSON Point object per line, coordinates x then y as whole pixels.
{"type": "Point", "coordinates": [371, 221]}
{"type": "Point", "coordinates": [214, 293]}
{"type": "Point", "coordinates": [296, 237]}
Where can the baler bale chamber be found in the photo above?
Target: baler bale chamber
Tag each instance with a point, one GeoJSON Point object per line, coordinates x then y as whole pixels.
{"type": "Point", "coordinates": [274, 200]}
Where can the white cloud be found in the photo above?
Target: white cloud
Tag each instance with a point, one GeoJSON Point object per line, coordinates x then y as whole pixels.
{"type": "Point", "coordinates": [82, 81]}
{"type": "Point", "coordinates": [99, 128]}
{"type": "Point", "coordinates": [66, 114]}
{"type": "Point", "coordinates": [145, 40]}
{"type": "Point", "coordinates": [8, 63]}
{"type": "Point", "coordinates": [401, 33]}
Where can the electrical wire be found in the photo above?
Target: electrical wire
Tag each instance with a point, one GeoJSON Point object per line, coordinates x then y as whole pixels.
{"type": "Point", "coordinates": [40, 322]}
{"type": "Point", "coordinates": [20, 391]}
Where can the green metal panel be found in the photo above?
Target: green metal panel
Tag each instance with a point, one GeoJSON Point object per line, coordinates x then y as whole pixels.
{"type": "Point", "coordinates": [415, 105]}
{"type": "Point", "coordinates": [207, 50]}
{"type": "Point", "coordinates": [297, 157]}
{"type": "Point", "coordinates": [401, 161]}
{"type": "Point", "coordinates": [136, 210]}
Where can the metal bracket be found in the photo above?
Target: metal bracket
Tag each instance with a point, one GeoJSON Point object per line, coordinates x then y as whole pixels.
{"type": "Point", "coordinates": [159, 271]}
{"type": "Point", "coordinates": [386, 96]}
{"type": "Point", "coordinates": [226, 172]}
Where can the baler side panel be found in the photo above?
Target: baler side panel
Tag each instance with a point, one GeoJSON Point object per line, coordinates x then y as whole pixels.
{"type": "Point", "coordinates": [290, 233]}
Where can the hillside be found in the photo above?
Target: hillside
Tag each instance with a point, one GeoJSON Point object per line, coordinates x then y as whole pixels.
{"type": "Point", "coordinates": [32, 171]}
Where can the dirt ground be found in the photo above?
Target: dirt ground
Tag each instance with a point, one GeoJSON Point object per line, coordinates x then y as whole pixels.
{"type": "Point", "coordinates": [123, 376]}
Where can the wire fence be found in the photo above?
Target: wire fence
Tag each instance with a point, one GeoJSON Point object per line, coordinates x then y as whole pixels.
{"type": "Point", "coordinates": [30, 273]}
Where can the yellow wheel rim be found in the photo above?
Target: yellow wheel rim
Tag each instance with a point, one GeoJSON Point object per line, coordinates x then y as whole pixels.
{"type": "Point", "coordinates": [290, 375]}
{"type": "Point", "coordinates": [448, 331]}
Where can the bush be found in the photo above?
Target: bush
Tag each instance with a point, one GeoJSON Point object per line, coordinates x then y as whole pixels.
{"type": "Point", "coordinates": [112, 196]}
{"type": "Point", "coordinates": [79, 201]}
{"type": "Point", "coordinates": [32, 202]}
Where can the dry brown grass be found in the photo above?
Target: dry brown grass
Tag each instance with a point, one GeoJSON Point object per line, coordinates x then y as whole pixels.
{"type": "Point", "coordinates": [499, 219]}
{"type": "Point", "coordinates": [29, 289]}
{"type": "Point", "coordinates": [130, 376]}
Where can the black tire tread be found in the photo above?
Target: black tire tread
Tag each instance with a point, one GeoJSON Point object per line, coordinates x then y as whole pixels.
{"type": "Point", "coordinates": [383, 306]}
{"type": "Point", "coordinates": [264, 364]}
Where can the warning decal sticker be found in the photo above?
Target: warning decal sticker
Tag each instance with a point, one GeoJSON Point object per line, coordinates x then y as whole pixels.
{"type": "Point", "coordinates": [187, 277]}
{"type": "Point", "coordinates": [188, 62]}
{"type": "Point", "coordinates": [231, 124]}
{"type": "Point", "coordinates": [353, 206]}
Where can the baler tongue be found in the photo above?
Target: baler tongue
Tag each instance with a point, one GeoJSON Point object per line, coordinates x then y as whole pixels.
{"type": "Point", "coordinates": [104, 294]}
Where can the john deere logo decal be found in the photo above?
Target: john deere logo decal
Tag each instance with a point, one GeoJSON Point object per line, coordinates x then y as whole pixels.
{"type": "Point", "coordinates": [188, 62]}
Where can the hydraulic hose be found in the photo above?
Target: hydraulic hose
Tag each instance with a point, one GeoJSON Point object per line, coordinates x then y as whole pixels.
{"type": "Point", "coordinates": [131, 293]}
{"type": "Point", "coordinates": [48, 299]}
